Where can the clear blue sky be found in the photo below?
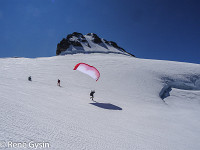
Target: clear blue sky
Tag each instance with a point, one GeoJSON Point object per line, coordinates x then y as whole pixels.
{"type": "Point", "coordinates": [155, 29]}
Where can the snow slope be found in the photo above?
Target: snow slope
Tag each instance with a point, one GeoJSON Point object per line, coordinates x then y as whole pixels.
{"type": "Point", "coordinates": [128, 113]}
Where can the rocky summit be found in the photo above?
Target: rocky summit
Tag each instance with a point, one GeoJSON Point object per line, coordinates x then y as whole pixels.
{"type": "Point", "coordinates": [90, 43]}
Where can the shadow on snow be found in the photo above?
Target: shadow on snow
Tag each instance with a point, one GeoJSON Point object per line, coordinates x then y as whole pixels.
{"type": "Point", "coordinates": [106, 106]}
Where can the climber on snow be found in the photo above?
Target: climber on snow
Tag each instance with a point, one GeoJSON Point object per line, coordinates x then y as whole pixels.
{"type": "Point", "coordinates": [58, 82]}
{"type": "Point", "coordinates": [29, 78]}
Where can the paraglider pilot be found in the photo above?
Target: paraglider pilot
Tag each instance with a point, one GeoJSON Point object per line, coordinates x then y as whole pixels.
{"type": "Point", "coordinates": [92, 94]}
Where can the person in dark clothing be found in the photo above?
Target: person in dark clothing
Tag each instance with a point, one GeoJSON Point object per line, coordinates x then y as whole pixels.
{"type": "Point", "coordinates": [92, 94]}
{"type": "Point", "coordinates": [29, 78]}
{"type": "Point", "coordinates": [58, 82]}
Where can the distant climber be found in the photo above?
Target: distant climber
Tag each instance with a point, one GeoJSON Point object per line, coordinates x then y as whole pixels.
{"type": "Point", "coordinates": [92, 94]}
{"type": "Point", "coordinates": [58, 82]}
{"type": "Point", "coordinates": [29, 78]}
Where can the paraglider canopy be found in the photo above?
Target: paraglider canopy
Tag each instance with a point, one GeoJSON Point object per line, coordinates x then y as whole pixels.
{"type": "Point", "coordinates": [87, 69]}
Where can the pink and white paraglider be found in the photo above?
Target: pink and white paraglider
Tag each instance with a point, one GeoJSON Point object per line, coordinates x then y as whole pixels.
{"type": "Point", "coordinates": [89, 70]}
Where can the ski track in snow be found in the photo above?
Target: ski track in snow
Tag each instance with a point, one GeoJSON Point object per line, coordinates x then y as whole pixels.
{"type": "Point", "coordinates": [63, 116]}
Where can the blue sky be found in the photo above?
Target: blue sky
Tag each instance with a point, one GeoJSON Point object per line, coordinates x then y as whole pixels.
{"type": "Point", "coordinates": [153, 29]}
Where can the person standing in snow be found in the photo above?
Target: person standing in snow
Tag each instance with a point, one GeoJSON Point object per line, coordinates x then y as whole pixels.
{"type": "Point", "coordinates": [58, 82]}
{"type": "Point", "coordinates": [29, 78]}
{"type": "Point", "coordinates": [92, 94]}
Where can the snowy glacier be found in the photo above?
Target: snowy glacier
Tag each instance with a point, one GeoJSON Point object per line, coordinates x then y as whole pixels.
{"type": "Point", "coordinates": [127, 112]}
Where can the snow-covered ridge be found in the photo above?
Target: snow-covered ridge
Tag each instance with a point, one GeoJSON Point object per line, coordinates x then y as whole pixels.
{"type": "Point", "coordinates": [78, 43]}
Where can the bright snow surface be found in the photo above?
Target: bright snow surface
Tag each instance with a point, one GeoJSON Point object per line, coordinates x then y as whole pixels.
{"type": "Point", "coordinates": [128, 113]}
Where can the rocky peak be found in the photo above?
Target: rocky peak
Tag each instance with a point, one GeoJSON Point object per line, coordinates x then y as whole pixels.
{"type": "Point", "coordinates": [90, 43]}
{"type": "Point", "coordinates": [95, 38]}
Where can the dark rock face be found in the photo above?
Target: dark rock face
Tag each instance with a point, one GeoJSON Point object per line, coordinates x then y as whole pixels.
{"type": "Point", "coordinates": [73, 39]}
{"type": "Point", "coordinates": [77, 39]}
{"type": "Point", "coordinates": [62, 46]}
{"type": "Point", "coordinates": [96, 39]}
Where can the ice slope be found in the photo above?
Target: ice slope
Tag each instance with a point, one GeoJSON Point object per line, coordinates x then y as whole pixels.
{"type": "Point", "coordinates": [128, 113]}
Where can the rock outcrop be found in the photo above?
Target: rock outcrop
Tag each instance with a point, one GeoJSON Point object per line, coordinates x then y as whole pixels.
{"type": "Point", "coordinates": [90, 43]}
